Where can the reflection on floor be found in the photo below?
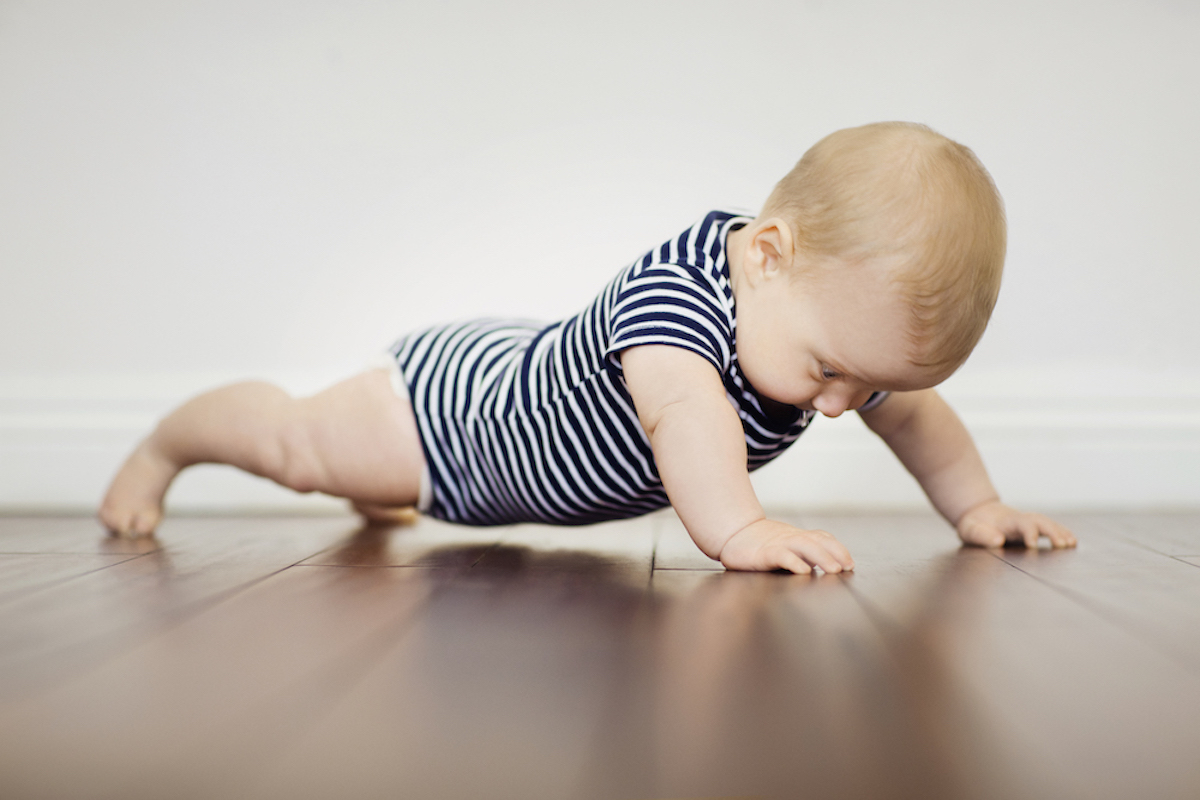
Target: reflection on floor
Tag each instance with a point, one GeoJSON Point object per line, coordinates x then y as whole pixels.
{"type": "Point", "coordinates": [309, 657]}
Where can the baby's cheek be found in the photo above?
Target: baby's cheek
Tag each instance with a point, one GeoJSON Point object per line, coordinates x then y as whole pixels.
{"type": "Point", "coordinates": [789, 389]}
{"type": "Point", "coordinates": [773, 372]}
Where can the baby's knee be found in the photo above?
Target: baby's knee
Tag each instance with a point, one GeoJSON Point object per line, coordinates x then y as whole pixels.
{"type": "Point", "coordinates": [296, 462]}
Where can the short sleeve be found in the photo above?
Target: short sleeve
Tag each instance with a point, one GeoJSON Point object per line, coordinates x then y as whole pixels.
{"type": "Point", "coordinates": [675, 305]}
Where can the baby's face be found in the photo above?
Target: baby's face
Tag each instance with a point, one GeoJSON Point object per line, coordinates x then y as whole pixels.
{"type": "Point", "coordinates": [825, 342]}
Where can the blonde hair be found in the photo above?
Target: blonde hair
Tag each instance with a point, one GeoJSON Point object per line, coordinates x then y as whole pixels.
{"type": "Point", "coordinates": [899, 188]}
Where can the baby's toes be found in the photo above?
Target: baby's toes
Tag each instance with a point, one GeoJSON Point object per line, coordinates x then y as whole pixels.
{"type": "Point", "coordinates": [144, 523]}
{"type": "Point", "coordinates": [115, 520]}
{"type": "Point", "coordinates": [126, 521]}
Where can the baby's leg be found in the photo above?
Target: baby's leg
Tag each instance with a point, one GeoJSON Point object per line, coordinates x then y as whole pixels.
{"type": "Point", "coordinates": [388, 515]}
{"type": "Point", "coordinates": [358, 439]}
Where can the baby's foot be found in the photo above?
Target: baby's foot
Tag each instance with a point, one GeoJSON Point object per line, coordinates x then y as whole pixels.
{"type": "Point", "coordinates": [133, 504]}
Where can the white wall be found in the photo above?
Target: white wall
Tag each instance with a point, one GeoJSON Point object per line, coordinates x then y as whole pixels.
{"type": "Point", "coordinates": [197, 192]}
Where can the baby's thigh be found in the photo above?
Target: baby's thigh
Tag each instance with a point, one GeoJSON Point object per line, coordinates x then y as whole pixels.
{"type": "Point", "coordinates": [362, 439]}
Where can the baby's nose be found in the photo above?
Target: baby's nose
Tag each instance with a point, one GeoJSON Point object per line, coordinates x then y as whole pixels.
{"type": "Point", "coordinates": [831, 405]}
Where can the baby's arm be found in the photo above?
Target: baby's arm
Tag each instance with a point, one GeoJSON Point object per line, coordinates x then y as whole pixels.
{"type": "Point", "coordinates": [700, 450]}
{"type": "Point", "coordinates": [932, 443]}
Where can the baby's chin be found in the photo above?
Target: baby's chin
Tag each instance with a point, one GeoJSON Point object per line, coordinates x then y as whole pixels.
{"type": "Point", "coordinates": [809, 407]}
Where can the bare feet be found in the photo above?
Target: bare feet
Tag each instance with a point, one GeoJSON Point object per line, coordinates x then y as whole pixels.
{"type": "Point", "coordinates": [387, 515]}
{"type": "Point", "coordinates": [133, 504]}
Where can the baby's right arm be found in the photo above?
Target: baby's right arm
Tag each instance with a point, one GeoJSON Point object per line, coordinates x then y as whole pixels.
{"type": "Point", "coordinates": [700, 450]}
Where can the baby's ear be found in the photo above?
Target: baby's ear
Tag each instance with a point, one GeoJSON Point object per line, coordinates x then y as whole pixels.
{"type": "Point", "coordinates": [771, 246]}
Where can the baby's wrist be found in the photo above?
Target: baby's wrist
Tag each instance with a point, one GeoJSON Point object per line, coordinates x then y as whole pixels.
{"type": "Point", "coordinates": [971, 509]}
{"type": "Point", "coordinates": [739, 537]}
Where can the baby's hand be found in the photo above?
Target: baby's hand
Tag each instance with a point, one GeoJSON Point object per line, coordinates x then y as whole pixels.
{"type": "Point", "coordinates": [993, 523]}
{"type": "Point", "coordinates": [766, 545]}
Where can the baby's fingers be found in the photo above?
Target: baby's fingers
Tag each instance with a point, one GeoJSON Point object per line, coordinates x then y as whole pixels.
{"type": "Point", "coordinates": [768, 545]}
{"type": "Point", "coordinates": [839, 552]}
{"type": "Point", "coordinates": [792, 562]}
{"type": "Point", "coordinates": [1058, 535]}
{"type": "Point", "coordinates": [1028, 528]}
{"type": "Point", "coordinates": [1032, 527]}
{"type": "Point", "coordinates": [992, 524]}
{"type": "Point", "coordinates": [798, 556]}
{"type": "Point", "coordinates": [820, 549]}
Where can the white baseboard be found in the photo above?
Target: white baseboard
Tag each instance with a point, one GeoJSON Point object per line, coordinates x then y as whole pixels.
{"type": "Point", "coordinates": [61, 440]}
{"type": "Point", "coordinates": [1035, 460]}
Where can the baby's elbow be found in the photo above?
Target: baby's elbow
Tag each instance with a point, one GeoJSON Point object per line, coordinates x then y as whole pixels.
{"type": "Point", "coordinates": [660, 417]}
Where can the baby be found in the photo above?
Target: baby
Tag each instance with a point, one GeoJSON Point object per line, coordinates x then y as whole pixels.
{"type": "Point", "coordinates": [867, 279]}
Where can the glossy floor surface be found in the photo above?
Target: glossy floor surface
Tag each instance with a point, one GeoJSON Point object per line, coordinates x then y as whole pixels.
{"type": "Point", "coordinates": [312, 658]}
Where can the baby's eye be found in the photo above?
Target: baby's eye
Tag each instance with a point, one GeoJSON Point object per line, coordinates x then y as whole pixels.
{"type": "Point", "coordinates": [828, 374]}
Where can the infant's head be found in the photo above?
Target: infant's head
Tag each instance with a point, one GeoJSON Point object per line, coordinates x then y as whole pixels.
{"type": "Point", "coordinates": [900, 194]}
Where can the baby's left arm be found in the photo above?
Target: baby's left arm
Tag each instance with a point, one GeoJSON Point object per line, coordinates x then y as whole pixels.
{"type": "Point", "coordinates": [932, 443]}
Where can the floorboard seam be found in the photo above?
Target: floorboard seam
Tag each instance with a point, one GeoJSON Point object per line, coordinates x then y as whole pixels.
{"type": "Point", "coordinates": [1116, 620]}
{"type": "Point", "coordinates": [22, 594]}
{"type": "Point", "coordinates": [170, 621]}
{"type": "Point", "coordinates": [1143, 546]}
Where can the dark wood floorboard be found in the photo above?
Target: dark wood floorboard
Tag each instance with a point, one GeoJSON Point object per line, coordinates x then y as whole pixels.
{"type": "Point", "coordinates": [22, 573]}
{"type": "Point", "coordinates": [1152, 596]}
{"type": "Point", "coordinates": [1173, 534]}
{"type": "Point", "coordinates": [312, 657]}
{"type": "Point", "coordinates": [1059, 686]}
{"type": "Point", "coordinates": [49, 635]}
{"type": "Point", "coordinates": [197, 710]}
{"type": "Point", "coordinates": [761, 685]}
{"type": "Point", "coordinates": [496, 689]}
{"type": "Point", "coordinates": [428, 544]}
{"type": "Point", "coordinates": [47, 534]}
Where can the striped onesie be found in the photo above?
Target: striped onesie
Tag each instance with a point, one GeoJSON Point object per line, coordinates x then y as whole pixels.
{"type": "Point", "coordinates": [529, 422]}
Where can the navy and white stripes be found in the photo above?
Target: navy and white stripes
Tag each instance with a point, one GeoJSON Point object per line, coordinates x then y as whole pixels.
{"type": "Point", "coordinates": [527, 422]}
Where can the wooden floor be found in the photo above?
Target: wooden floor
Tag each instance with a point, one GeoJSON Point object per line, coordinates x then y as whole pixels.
{"type": "Point", "coordinates": [310, 658]}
